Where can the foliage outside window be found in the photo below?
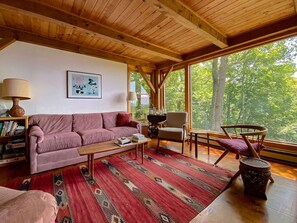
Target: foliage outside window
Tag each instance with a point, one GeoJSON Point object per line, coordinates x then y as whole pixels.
{"type": "Point", "coordinates": [175, 91]}
{"type": "Point", "coordinates": [255, 86]}
{"type": "Point", "coordinates": [140, 107]}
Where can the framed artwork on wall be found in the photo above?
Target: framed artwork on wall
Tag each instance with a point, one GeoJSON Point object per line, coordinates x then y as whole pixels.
{"type": "Point", "coordinates": [84, 85]}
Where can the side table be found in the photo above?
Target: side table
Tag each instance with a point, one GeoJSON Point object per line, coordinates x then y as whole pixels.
{"type": "Point", "coordinates": [195, 133]}
{"type": "Point", "coordinates": [255, 174]}
{"type": "Point", "coordinates": [155, 121]}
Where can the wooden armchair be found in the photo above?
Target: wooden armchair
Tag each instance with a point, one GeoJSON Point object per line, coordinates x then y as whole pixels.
{"type": "Point", "coordinates": [246, 140]}
{"type": "Point", "coordinates": [243, 140]}
{"type": "Point", "coordinates": [175, 128]}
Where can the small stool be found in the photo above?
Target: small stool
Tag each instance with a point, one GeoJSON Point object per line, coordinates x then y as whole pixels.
{"type": "Point", "coordinates": [255, 174]}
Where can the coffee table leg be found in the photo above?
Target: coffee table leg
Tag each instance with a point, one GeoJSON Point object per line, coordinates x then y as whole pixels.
{"type": "Point", "coordinates": [136, 150]}
{"type": "Point", "coordinates": [142, 152]}
{"type": "Point", "coordinates": [89, 163]}
{"type": "Point", "coordinates": [92, 166]}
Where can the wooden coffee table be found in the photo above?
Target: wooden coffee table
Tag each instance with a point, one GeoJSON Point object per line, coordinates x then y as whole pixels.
{"type": "Point", "coordinates": [92, 149]}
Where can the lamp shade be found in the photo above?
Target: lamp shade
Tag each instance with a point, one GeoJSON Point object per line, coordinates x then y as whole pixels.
{"type": "Point", "coordinates": [132, 96]}
{"type": "Point", "coordinates": [16, 88]}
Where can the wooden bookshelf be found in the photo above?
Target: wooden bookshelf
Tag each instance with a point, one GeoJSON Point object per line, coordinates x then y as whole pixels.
{"type": "Point", "coordinates": [13, 139]}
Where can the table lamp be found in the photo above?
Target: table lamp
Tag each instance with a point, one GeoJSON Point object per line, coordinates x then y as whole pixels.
{"type": "Point", "coordinates": [16, 89]}
{"type": "Point", "coordinates": [132, 96]}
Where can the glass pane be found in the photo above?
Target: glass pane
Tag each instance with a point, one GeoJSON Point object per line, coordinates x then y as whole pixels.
{"type": "Point", "coordinates": [175, 91]}
{"type": "Point", "coordinates": [255, 86]}
{"type": "Point", "coordinates": [140, 107]}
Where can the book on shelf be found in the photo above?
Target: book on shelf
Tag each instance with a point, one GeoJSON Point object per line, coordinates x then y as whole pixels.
{"type": "Point", "coordinates": [12, 160]}
{"type": "Point", "coordinates": [13, 128]}
{"type": "Point", "coordinates": [20, 129]}
{"type": "Point", "coordinates": [10, 128]}
{"type": "Point", "coordinates": [5, 127]}
{"type": "Point", "coordinates": [12, 155]}
{"type": "Point", "coordinates": [11, 145]}
{"type": "Point", "coordinates": [14, 150]}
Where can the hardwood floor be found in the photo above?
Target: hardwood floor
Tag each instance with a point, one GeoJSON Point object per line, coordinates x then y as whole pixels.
{"type": "Point", "coordinates": [232, 205]}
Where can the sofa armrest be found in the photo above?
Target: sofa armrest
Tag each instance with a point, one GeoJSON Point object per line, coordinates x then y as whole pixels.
{"type": "Point", "coordinates": [37, 132]}
{"type": "Point", "coordinates": [136, 124]}
{"type": "Point", "coordinates": [30, 207]}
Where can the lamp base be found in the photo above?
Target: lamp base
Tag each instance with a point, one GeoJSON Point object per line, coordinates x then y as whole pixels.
{"type": "Point", "coordinates": [16, 110]}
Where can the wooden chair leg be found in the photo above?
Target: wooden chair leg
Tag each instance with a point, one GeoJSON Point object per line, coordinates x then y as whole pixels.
{"type": "Point", "coordinates": [222, 156]}
{"type": "Point", "coordinates": [158, 144]}
{"type": "Point", "coordinates": [183, 144]}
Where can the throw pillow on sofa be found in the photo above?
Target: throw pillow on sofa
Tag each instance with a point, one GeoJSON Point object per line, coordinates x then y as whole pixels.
{"type": "Point", "coordinates": [124, 119]}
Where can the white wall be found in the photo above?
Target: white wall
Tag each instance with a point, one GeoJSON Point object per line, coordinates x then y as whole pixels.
{"type": "Point", "coordinates": [45, 68]}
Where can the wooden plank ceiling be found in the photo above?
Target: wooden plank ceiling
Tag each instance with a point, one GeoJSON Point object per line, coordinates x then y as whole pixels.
{"type": "Point", "coordinates": [151, 34]}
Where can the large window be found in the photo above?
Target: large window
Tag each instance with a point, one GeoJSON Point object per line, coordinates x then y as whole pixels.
{"type": "Point", "coordinates": [140, 107]}
{"type": "Point", "coordinates": [175, 91]}
{"type": "Point", "coordinates": [256, 86]}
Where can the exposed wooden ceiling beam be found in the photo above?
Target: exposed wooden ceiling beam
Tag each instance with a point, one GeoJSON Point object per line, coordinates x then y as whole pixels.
{"type": "Point", "coordinates": [5, 42]}
{"type": "Point", "coordinates": [104, 31]}
{"type": "Point", "coordinates": [143, 74]}
{"type": "Point", "coordinates": [165, 77]}
{"type": "Point", "coordinates": [264, 35]}
{"type": "Point", "coordinates": [188, 18]}
{"type": "Point", "coordinates": [76, 48]}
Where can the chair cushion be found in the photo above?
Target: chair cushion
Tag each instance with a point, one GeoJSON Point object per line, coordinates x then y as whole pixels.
{"type": "Point", "coordinates": [239, 146]}
{"type": "Point", "coordinates": [171, 133]}
{"type": "Point", "coordinates": [124, 119]}
{"type": "Point", "coordinates": [58, 141]}
{"type": "Point", "coordinates": [95, 135]}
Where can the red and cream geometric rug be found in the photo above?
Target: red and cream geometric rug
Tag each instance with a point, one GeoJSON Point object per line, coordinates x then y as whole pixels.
{"type": "Point", "coordinates": [167, 187]}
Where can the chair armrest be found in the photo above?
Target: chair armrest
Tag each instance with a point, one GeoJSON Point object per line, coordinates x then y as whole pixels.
{"type": "Point", "coordinates": [37, 132]}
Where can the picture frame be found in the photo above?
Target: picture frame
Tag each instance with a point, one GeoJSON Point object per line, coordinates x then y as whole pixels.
{"type": "Point", "coordinates": [84, 85]}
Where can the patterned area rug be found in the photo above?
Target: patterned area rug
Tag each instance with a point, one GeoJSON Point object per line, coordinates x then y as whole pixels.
{"type": "Point", "coordinates": [167, 187]}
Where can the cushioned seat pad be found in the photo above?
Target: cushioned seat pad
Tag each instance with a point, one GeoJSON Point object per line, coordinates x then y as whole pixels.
{"type": "Point", "coordinates": [238, 146]}
{"type": "Point", "coordinates": [58, 141]}
{"type": "Point", "coordinates": [171, 133]}
{"type": "Point", "coordinates": [95, 135]}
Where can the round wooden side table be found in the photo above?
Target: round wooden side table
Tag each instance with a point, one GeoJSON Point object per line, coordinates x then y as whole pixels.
{"type": "Point", "coordinates": [255, 174]}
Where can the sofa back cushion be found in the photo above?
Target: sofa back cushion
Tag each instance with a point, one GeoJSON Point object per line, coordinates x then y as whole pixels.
{"type": "Point", "coordinates": [52, 123]}
{"type": "Point", "coordinates": [110, 119]}
{"type": "Point", "coordinates": [87, 121]}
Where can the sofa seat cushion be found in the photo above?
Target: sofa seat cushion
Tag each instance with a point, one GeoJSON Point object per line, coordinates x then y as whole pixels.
{"type": "Point", "coordinates": [123, 131]}
{"type": "Point", "coordinates": [58, 141]}
{"type": "Point", "coordinates": [95, 135]}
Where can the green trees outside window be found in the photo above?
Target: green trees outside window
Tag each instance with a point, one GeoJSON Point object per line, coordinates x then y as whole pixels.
{"type": "Point", "coordinates": [255, 86]}
{"type": "Point", "coordinates": [140, 108]}
{"type": "Point", "coordinates": [175, 91]}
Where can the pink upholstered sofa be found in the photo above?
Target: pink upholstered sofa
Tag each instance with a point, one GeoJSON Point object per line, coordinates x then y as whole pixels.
{"type": "Point", "coordinates": [54, 138]}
